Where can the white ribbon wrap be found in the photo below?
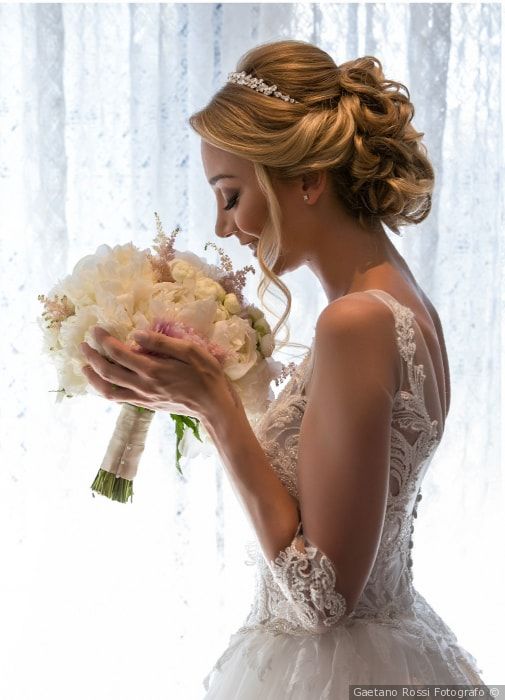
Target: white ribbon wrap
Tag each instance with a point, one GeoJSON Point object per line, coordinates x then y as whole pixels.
{"type": "Point", "coordinates": [127, 442]}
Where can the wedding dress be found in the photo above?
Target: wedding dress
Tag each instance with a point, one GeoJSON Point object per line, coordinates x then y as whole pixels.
{"type": "Point", "coordinates": [297, 643]}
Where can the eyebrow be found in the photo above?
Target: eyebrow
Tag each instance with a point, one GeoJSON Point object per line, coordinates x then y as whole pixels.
{"type": "Point", "coordinates": [214, 179]}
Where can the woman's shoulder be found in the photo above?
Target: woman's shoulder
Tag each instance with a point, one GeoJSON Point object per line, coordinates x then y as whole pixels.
{"type": "Point", "coordinates": [363, 307]}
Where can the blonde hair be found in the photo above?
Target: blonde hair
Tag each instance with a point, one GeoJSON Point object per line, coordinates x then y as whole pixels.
{"type": "Point", "coordinates": [351, 121]}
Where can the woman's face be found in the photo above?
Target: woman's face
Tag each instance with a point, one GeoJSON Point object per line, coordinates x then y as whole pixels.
{"type": "Point", "coordinates": [316, 229]}
{"type": "Point", "coordinates": [241, 205]}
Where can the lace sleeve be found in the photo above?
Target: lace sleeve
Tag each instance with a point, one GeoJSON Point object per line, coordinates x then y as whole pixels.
{"type": "Point", "coordinates": [307, 578]}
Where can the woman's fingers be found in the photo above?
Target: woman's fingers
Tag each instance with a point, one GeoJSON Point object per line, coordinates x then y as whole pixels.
{"type": "Point", "coordinates": [136, 362]}
{"type": "Point", "coordinates": [109, 390]}
{"type": "Point", "coordinates": [175, 348]}
{"type": "Point", "coordinates": [110, 372]}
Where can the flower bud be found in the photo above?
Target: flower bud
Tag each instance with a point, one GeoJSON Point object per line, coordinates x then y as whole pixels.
{"type": "Point", "coordinates": [261, 326]}
{"type": "Point", "coordinates": [231, 303]}
{"type": "Point", "coordinates": [267, 344]}
{"type": "Point", "coordinates": [254, 312]}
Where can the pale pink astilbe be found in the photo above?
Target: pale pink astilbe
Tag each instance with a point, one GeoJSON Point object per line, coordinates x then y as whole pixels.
{"type": "Point", "coordinates": [57, 309]}
{"type": "Point", "coordinates": [165, 252]}
{"type": "Point", "coordinates": [231, 281]}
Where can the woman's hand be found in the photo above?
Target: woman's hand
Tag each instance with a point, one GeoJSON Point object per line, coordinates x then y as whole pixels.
{"type": "Point", "coordinates": [185, 379]}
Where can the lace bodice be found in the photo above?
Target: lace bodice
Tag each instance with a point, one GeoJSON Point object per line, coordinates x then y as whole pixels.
{"type": "Point", "coordinates": [296, 592]}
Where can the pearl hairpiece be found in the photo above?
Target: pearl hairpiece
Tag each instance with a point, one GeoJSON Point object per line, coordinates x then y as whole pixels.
{"type": "Point", "coordinates": [258, 84]}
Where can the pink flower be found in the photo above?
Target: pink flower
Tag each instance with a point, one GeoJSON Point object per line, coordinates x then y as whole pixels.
{"type": "Point", "coordinates": [177, 329]}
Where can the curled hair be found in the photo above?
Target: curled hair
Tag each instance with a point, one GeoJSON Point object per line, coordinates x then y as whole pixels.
{"type": "Point", "coordinates": [351, 122]}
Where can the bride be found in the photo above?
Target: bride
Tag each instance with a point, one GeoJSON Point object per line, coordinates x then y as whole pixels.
{"type": "Point", "coordinates": [308, 162]}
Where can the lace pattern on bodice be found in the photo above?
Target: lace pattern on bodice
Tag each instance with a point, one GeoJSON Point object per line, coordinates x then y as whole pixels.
{"type": "Point", "coordinates": [295, 594]}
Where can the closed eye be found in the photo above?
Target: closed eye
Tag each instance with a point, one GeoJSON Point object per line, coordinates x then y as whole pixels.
{"type": "Point", "coordinates": [231, 203]}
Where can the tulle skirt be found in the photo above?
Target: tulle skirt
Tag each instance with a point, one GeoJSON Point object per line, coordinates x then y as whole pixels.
{"type": "Point", "coordinates": [261, 665]}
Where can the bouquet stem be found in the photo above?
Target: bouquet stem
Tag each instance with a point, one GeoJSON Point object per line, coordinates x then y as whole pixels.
{"type": "Point", "coordinates": [119, 466]}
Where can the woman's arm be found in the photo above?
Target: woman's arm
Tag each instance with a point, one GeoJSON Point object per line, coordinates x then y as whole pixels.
{"type": "Point", "coordinates": [342, 470]}
{"type": "Point", "coordinates": [272, 510]}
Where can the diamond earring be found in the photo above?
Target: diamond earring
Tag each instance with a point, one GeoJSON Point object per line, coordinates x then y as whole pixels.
{"type": "Point", "coordinates": [305, 196]}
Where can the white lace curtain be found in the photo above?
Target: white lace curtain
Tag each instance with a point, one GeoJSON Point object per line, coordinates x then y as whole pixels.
{"type": "Point", "coordinates": [112, 601]}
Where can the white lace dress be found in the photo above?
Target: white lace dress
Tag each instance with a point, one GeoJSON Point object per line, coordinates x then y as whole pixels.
{"type": "Point", "coordinates": [297, 641]}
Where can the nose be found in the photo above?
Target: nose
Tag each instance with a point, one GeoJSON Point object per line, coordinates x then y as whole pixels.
{"type": "Point", "coordinates": [225, 225]}
{"type": "Point", "coordinates": [225, 231]}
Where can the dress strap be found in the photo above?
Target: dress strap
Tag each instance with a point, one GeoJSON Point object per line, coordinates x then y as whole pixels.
{"type": "Point", "coordinates": [404, 324]}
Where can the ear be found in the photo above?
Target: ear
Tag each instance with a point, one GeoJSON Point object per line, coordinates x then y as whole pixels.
{"type": "Point", "coordinates": [314, 185]}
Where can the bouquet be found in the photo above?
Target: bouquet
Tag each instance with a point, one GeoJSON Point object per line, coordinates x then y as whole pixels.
{"type": "Point", "coordinates": [124, 289]}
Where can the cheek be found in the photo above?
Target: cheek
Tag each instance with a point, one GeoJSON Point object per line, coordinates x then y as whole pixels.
{"type": "Point", "coordinates": [251, 215]}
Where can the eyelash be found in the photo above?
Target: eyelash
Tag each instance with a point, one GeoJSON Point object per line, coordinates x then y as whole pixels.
{"type": "Point", "coordinates": [231, 203]}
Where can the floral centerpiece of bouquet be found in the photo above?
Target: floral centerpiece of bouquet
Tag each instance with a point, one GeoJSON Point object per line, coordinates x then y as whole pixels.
{"type": "Point", "coordinates": [124, 289]}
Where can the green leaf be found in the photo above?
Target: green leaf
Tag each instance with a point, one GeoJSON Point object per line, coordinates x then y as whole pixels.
{"type": "Point", "coordinates": [181, 423]}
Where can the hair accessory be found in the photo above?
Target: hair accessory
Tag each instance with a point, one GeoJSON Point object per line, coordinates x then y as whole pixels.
{"type": "Point", "coordinates": [258, 84]}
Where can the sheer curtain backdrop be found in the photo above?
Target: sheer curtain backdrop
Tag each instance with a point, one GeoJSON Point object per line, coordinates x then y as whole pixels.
{"type": "Point", "coordinates": [116, 602]}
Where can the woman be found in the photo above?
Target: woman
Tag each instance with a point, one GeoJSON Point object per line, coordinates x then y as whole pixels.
{"type": "Point", "coordinates": [312, 181]}
{"type": "Point", "coordinates": [308, 161]}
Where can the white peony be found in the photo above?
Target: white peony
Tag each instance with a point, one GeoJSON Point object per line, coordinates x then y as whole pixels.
{"type": "Point", "coordinates": [198, 314]}
{"type": "Point", "coordinates": [113, 271]}
{"type": "Point", "coordinates": [236, 334]}
{"type": "Point", "coordinates": [205, 288]}
{"type": "Point", "coordinates": [201, 267]}
{"type": "Point", "coordinates": [181, 269]}
{"type": "Point", "coordinates": [174, 292]}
